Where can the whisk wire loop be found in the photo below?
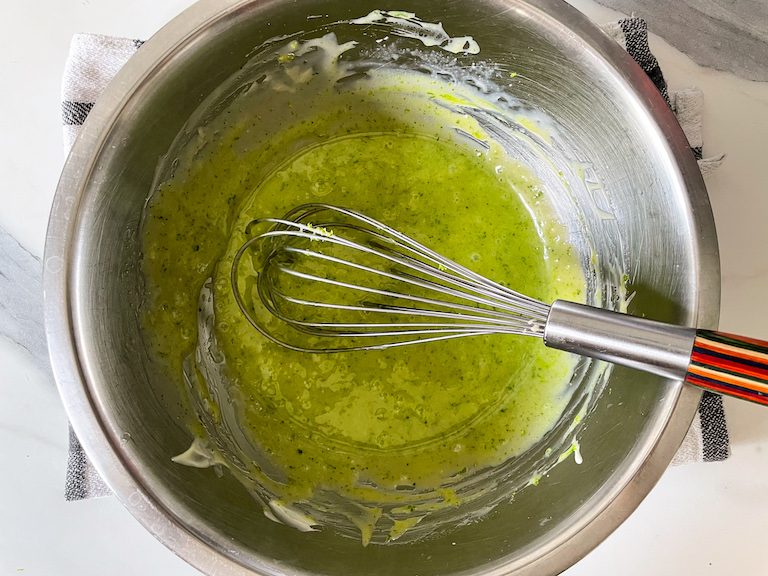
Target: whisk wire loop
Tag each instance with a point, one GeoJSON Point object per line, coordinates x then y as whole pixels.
{"type": "Point", "coordinates": [402, 277]}
{"type": "Point", "coordinates": [403, 281]}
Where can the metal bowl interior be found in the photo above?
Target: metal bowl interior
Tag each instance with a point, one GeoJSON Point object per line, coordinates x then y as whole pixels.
{"type": "Point", "coordinates": [125, 412]}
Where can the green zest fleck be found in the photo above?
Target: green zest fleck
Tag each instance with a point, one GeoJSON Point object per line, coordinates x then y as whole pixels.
{"type": "Point", "coordinates": [319, 231]}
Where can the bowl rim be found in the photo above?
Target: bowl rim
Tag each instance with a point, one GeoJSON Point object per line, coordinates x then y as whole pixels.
{"type": "Point", "coordinates": [209, 554]}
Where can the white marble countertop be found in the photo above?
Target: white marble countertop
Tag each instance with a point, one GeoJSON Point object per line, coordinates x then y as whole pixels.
{"type": "Point", "coordinates": [701, 519]}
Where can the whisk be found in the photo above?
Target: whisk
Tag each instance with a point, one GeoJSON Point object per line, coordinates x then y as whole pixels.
{"type": "Point", "coordinates": [326, 279]}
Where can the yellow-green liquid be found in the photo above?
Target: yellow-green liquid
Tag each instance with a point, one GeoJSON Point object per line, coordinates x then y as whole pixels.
{"type": "Point", "coordinates": [362, 424]}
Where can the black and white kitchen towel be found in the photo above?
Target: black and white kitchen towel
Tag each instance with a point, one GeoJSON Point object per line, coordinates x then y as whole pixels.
{"type": "Point", "coordinates": [687, 104]}
{"type": "Point", "coordinates": [93, 61]}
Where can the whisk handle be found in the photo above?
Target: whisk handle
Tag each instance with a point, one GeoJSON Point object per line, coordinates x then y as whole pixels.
{"type": "Point", "coordinates": [723, 363]}
{"type": "Point", "coordinates": [731, 365]}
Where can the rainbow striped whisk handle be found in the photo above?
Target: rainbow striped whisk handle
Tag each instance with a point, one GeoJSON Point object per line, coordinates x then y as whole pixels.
{"type": "Point", "coordinates": [729, 364]}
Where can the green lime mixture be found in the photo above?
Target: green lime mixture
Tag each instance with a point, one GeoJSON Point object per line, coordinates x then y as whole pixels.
{"type": "Point", "coordinates": [363, 424]}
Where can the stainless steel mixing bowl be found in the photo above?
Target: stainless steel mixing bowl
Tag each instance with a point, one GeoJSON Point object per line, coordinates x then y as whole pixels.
{"type": "Point", "coordinates": [126, 414]}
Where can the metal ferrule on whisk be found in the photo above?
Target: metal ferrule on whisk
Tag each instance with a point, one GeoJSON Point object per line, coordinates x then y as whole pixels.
{"type": "Point", "coordinates": [640, 343]}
